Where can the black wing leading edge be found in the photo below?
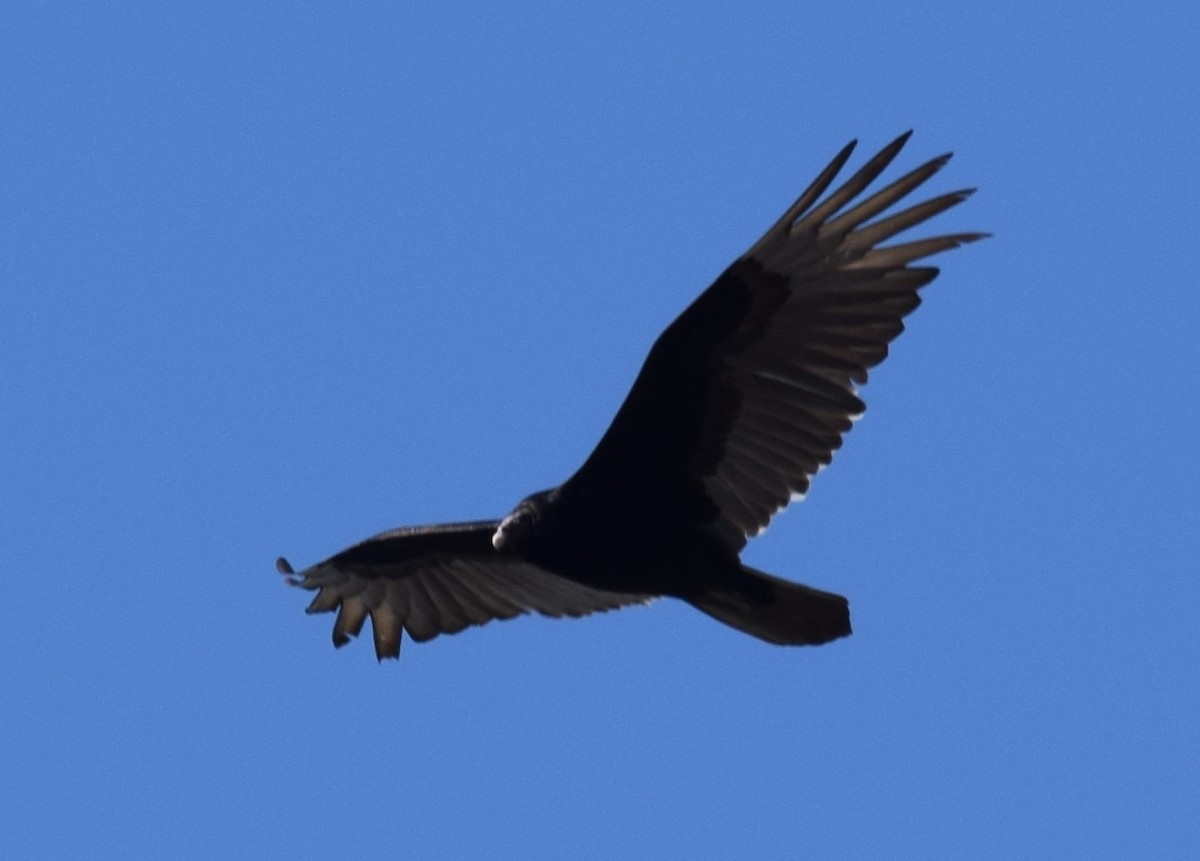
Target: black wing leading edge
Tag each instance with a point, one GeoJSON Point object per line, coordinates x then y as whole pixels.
{"type": "Point", "coordinates": [434, 580]}
{"type": "Point", "coordinates": [748, 393]}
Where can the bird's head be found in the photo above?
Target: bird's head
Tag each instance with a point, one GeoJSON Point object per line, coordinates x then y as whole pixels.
{"type": "Point", "coordinates": [515, 530]}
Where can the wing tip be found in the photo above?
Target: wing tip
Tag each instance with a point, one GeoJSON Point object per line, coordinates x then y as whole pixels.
{"type": "Point", "coordinates": [890, 151]}
{"type": "Point", "coordinates": [958, 240]}
{"type": "Point", "coordinates": [285, 568]}
{"type": "Point", "coordinates": [389, 655]}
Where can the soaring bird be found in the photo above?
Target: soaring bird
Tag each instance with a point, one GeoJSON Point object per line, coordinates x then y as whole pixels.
{"type": "Point", "coordinates": [742, 399]}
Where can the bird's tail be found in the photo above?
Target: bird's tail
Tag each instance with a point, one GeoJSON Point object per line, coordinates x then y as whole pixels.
{"type": "Point", "coordinates": [777, 611]}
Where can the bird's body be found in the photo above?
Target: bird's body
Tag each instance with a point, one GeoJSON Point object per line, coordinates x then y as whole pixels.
{"type": "Point", "coordinates": [742, 399]}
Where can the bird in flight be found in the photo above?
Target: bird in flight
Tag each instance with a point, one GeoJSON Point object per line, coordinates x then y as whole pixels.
{"type": "Point", "coordinates": [742, 399]}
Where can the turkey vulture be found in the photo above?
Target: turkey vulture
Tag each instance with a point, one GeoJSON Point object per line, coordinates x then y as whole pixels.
{"type": "Point", "coordinates": [742, 399]}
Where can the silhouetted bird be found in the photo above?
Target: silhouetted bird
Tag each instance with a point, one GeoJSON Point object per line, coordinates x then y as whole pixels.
{"type": "Point", "coordinates": [743, 398]}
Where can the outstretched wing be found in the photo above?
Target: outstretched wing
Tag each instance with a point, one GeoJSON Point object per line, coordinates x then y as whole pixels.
{"type": "Point", "coordinates": [432, 580]}
{"type": "Point", "coordinates": [747, 394]}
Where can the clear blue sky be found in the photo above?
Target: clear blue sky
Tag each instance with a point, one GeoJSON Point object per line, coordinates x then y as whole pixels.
{"type": "Point", "coordinates": [275, 278]}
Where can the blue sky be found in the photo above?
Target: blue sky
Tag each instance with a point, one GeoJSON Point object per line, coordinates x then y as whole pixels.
{"type": "Point", "coordinates": [273, 279]}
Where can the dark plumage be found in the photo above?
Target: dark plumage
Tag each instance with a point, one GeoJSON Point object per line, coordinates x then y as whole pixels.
{"type": "Point", "coordinates": [743, 398]}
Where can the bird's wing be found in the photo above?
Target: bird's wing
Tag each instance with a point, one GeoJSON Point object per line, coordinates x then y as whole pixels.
{"type": "Point", "coordinates": [747, 394]}
{"type": "Point", "coordinates": [434, 580]}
